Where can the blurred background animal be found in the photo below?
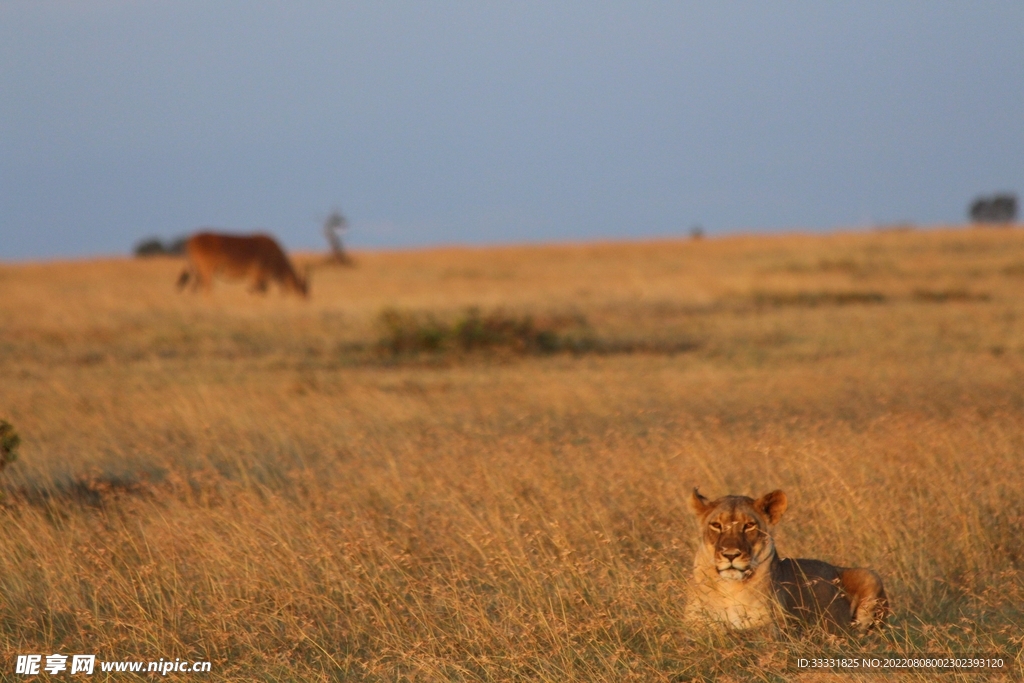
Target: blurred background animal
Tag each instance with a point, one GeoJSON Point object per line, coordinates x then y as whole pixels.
{"type": "Point", "coordinates": [258, 258]}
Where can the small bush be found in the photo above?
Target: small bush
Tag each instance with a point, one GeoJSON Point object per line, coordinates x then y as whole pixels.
{"type": "Point", "coordinates": [999, 208]}
{"type": "Point", "coordinates": [475, 331]}
{"type": "Point", "coordinates": [404, 332]}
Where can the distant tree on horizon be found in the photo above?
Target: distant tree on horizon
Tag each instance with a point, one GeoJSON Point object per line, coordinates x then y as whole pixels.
{"type": "Point", "coordinates": [333, 227]}
{"type": "Point", "coordinates": [999, 208]}
{"type": "Point", "coordinates": [154, 246]}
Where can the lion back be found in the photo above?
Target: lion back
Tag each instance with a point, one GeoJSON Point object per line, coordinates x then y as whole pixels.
{"type": "Point", "coordinates": [816, 592]}
{"type": "Point", "coordinates": [811, 591]}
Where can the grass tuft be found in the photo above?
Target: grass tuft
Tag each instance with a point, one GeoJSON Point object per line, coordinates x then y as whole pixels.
{"type": "Point", "coordinates": [941, 296]}
{"type": "Point", "coordinates": [815, 299]}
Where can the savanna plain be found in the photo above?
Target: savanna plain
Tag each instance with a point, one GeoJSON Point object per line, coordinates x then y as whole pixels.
{"type": "Point", "coordinates": [474, 464]}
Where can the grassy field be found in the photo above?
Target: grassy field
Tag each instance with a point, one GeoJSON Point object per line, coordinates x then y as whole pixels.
{"type": "Point", "coordinates": [274, 486]}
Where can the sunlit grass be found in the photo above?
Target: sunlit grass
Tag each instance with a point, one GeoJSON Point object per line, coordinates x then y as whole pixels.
{"type": "Point", "coordinates": [241, 479]}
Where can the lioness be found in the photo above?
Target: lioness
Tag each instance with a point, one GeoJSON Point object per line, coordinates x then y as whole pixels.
{"type": "Point", "coordinates": [740, 581]}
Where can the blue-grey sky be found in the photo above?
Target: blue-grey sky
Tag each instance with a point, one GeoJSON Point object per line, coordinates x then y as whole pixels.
{"type": "Point", "coordinates": [483, 122]}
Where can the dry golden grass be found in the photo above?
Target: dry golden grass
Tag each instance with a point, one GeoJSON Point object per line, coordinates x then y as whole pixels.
{"type": "Point", "coordinates": [242, 480]}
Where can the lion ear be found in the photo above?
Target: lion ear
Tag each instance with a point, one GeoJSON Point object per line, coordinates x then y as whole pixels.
{"type": "Point", "coordinates": [772, 505]}
{"type": "Point", "coordinates": [698, 503]}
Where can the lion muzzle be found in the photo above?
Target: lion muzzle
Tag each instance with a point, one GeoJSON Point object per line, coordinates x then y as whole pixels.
{"type": "Point", "coordinates": [733, 564]}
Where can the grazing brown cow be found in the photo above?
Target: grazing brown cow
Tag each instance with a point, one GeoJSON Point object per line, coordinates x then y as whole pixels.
{"type": "Point", "coordinates": [258, 258]}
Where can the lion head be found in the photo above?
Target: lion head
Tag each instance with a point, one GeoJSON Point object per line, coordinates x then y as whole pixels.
{"type": "Point", "coordinates": [735, 532]}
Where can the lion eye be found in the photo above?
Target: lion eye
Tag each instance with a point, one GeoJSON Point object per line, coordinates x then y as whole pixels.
{"type": "Point", "coordinates": [715, 526]}
{"type": "Point", "coordinates": [749, 526]}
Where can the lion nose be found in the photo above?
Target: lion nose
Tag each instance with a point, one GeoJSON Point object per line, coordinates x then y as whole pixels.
{"type": "Point", "coordinates": [731, 554]}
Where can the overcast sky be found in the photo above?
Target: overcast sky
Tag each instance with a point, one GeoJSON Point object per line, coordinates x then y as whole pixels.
{"type": "Point", "coordinates": [487, 122]}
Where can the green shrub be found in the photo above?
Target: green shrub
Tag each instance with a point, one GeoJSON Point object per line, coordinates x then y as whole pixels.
{"type": "Point", "coordinates": [404, 332]}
